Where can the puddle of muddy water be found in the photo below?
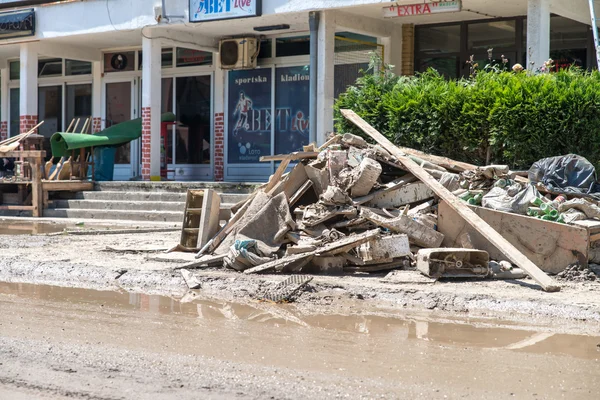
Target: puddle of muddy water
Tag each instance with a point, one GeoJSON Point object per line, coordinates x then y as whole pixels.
{"type": "Point", "coordinates": [401, 327]}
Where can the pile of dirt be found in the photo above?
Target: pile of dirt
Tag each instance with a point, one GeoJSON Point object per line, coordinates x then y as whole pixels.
{"type": "Point", "coordinates": [578, 273]}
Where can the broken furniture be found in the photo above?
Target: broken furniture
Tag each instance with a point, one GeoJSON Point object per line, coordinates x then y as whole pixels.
{"type": "Point", "coordinates": [200, 219]}
{"type": "Point", "coordinates": [24, 194]}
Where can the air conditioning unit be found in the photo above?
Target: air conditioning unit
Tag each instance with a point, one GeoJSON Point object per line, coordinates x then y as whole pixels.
{"type": "Point", "coordinates": [239, 53]}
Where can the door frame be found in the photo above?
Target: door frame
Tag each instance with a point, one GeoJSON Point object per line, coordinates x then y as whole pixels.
{"type": "Point", "coordinates": [133, 169]}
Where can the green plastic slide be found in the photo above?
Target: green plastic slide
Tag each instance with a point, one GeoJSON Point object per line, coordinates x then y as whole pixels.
{"type": "Point", "coordinates": [62, 143]}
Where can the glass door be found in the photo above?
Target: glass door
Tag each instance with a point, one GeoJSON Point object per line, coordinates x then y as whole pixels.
{"type": "Point", "coordinates": [119, 108]}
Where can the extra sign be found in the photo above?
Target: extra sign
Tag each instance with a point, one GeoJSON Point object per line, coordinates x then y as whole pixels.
{"type": "Point", "coordinates": [211, 10]}
{"type": "Point", "coordinates": [425, 8]}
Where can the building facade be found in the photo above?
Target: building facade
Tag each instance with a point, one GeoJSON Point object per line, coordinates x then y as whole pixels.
{"type": "Point", "coordinates": [116, 60]}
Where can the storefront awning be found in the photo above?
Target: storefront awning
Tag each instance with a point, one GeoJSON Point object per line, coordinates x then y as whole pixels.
{"type": "Point", "coordinates": [116, 135]}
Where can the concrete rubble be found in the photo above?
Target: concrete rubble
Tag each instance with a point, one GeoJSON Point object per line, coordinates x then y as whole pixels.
{"type": "Point", "coordinates": [355, 207]}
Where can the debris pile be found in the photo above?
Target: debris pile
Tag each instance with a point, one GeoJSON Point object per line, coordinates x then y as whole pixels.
{"type": "Point", "coordinates": [350, 206]}
{"type": "Point", "coordinates": [578, 273]}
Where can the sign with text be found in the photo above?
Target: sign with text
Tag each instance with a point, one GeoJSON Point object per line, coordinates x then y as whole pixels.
{"type": "Point", "coordinates": [211, 10]}
{"type": "Point", "coordinates": [292, 101]}
{"type": "Point", "coordinates": [425, 8]}
{"type": "Point", "coordinates": [15, 24]}
{"type": "Point", "coordinates": [249, 115]}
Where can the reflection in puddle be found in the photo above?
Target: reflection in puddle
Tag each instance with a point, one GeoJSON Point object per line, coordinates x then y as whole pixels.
{"type": "Point", "coordinates": [29, 228]}
{"type": "Point", "coordinates": [400, 327]}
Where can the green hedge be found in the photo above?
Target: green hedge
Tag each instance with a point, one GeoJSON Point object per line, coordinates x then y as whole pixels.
{"type": "Point", "coordinates": [518, 118]}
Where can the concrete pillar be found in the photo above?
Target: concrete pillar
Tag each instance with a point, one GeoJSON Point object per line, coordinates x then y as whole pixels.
{"type": "Point", "coordinates": [4, 103]}
{"type": "Point", "coordinates": [96, 96]}
{"type": "Point", "coordinates": [151, 92]}
{"type": "Point", "coordinates": [392, 49]}
{"type": "Point", "coordinates": [538, 33]}
{"type": "Point", "coordinates": [325, 75]}
{"type": "Point", "coordinates": [28, 85]}
{"type": "Point", "coordinates": [219, 122]}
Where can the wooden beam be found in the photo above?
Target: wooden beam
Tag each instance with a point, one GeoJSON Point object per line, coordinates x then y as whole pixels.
{"type": "Point", "coordinates": [298, 155]}
{"type": "Point", "coordinates": [503, 245]}
{"type": "Point", "coordinates": [24, 154]}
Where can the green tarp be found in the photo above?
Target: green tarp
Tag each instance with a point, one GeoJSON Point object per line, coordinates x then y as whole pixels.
{"type": "Point", "coordinates": [125, 132]}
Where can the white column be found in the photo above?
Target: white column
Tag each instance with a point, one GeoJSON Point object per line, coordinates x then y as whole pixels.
{"type": "Point", "coordinates": [151, 91]}
{"type": "Point", "coordinates": [538, 33]}
{"type": "Point", "coordinates": [28, 83]}
{"type": "Point", "coordinates": [392, 49]}
{"type": "Point", "coordinates": [4, 102]}
{"type": "Point", "coordinates": [325, 75]}
{"type": "Point", "coordinates": [96, 96]}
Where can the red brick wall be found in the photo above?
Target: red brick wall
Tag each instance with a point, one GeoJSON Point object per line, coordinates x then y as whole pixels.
{"type": "Point", "coordinates": [96, 124]}
{"type": "Point", "coordinates": [146, 134]}
{"type": "Point", "coordinates": [3, 130]}
{"type": "Point", "coordinates": [219, 156]}
{"type": "Point", "coordinates": [27, 122]}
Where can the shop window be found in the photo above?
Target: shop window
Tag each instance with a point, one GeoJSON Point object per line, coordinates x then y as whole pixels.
{"type": "Point", "coordinates": [437, 40]}
{"type": "Point", "coordinates": [75, 67]}
{"type": "Point", "coordinates": [15, 113]}
{"type": "Point", "coordinates": [194, 117]}
{"type": "Point", "coordinates": [447, 66]}
{"type": "Point", "coordinates": [166, 58]}
{"type": "Point", "coordinates": [292, 46]}
{"type": "Point", "coordinates": [118, 109]}
{"type": "Point", "coordinates": [15, 70]}
{"type": "Point", "coordinates": [50, 67]}
{"type": "Point", "coordinates": [119, 61]}
{"type": "Point", "coordinates": [249, 115]}
{"type": "Point", "coordinates": [568, 42]}
{"type": "Point", "coordinates": [266, 48]}
{"type": "Point", "coordinates": [191, 58]}
{"type": "Point", "coordinates": [292, 89]}
{"type": "Point", "coordinates": [495, 34]}
{"type": "Point", "coordinates": [50, 111]}
{"type": "Point", "coordinates": [79, 103]}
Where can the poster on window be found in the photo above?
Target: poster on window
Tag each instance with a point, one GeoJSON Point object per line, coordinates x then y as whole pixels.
{"type": "Point", "coordinates": [292, 104]}
{"type": "Point", "coordinates": [249, 115]}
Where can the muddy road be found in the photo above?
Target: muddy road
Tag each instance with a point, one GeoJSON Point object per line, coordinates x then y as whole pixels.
{"type": "Point", "coordinates": [78, 343]}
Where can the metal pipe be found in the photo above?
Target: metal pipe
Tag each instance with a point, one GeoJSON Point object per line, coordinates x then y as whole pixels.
{"type": "Point", "coordinates": [313, 21]}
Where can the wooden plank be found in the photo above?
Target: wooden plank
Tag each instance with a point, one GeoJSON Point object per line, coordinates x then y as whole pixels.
{"type": "Point", "coordinates": [67, 186]}
{"type": "Point", "coordinates": [407, 194]}
{"type": "Point", "coordinates": [17, 208]}
{"type": "Point", "coordinates": [295, 156]}
{"type": "Point", "coordinates": [334, 140]}
{"type": "Point", "coordinates": [509, 251]}
{"type": "Point", "coordinates": [209, 217]}
{"type": "Point", "coordinates": [295, 180]}
{"type": "Point", "coordinates": [24, 154]}
{"type": "Point", "coordinates": [276, 177]}
{"type": "Point", "coordinates": [549, 245]}
{"type": "Point", "coordinates": [300, 192]}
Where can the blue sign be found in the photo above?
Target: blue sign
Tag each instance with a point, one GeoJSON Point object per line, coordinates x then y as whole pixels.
{"type": "Point", "coordinates": [210, 10]}
{"type": "Point", "coordinates": [249, 115]}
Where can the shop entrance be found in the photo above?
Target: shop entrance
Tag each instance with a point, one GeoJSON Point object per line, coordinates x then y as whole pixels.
{"type": "Point", "coordinates": [122, 105]}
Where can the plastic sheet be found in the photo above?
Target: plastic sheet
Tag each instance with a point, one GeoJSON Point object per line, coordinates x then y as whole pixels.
{"type": "Point", "coordinates": [510, 199]}
{"type": "Point", "coordinates": [566, 174]}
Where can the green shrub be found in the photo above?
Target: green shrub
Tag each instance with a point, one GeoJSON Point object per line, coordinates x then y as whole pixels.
{"type": "Point", "coordinates": [512, 118]}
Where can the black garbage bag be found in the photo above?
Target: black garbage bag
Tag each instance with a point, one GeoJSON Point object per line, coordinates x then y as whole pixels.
{"type": "Point", "coordinates": [566, 174]}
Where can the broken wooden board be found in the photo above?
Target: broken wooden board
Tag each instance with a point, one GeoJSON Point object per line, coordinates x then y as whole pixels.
{"type": "Point", "coordinates": [418, 233]}
{"type": "Point", "coordinates": [205, 261]}
{"type": "Point", "coordinates": [319, 178]}
{"type": "Point", "coordinates": [190, 280]}
{"type": "Point", "coordinates": [295, 180]}
{"type": "Point", "coordinates": [295, 156]}
{"type": "Point", "coordinates": [403, 195]}
{"type": "Point", "coordinates": [509, 251]}
{"type": "Point", "coordinates": [548, 244]}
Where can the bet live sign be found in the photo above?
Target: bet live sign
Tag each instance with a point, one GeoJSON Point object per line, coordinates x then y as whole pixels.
{"type": "Point", "coordinates": [212, 10]}
{"type": "Point", "coordinates": [425, 8]}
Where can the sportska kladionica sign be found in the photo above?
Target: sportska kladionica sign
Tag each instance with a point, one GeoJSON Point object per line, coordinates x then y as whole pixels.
{"type": "Point", "coordinates": [211, 10]}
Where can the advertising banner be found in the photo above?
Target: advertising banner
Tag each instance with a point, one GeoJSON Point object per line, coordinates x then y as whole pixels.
{"type": "Point", "coordinates": [292, 90]}
{"type": "Point", "coordinates": [249, 115]}
{"type": "Point", "coordinates": [211, 10]}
